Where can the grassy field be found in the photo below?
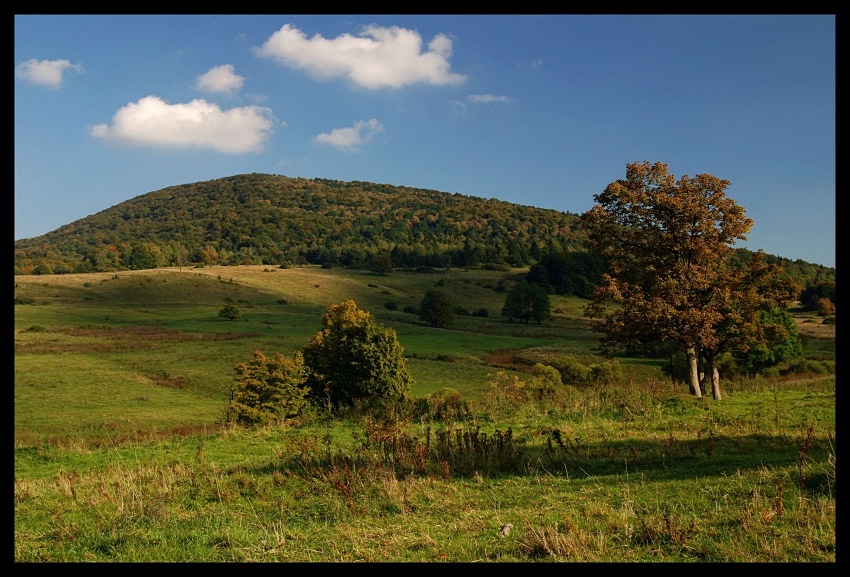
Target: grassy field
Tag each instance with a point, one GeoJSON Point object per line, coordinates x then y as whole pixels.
{"type": "Point", "coordinates": [120, 453]}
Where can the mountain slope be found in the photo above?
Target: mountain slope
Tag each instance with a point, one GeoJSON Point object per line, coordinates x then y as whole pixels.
{"type": "Point", "coordinates": [269, 219]}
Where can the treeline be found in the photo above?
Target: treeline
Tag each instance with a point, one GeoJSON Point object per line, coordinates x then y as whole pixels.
{"type": "Point", "coordinates": [277, 220]}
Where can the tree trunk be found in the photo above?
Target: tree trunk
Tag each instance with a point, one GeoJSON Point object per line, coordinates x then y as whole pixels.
{"type": "Point", "coordinates": [715, 383]}
{"type": "Point", "coordinates": [693, 372]}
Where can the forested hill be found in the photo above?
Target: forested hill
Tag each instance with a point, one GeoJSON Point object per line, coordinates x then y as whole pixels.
{"type": "Point", "coordinates": [278, 220]}
{"type": "Point", "coordinates": [269, 219]}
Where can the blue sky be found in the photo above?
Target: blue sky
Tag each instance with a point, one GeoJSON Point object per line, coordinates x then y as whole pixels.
{"type": "Point", "coordinates": [541, 110]}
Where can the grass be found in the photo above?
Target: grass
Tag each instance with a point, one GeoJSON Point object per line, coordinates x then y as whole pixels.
{"type": "Point", "coordinates": [120, 456]}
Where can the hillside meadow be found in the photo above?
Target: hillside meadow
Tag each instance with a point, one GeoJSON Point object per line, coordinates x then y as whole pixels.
{"type": "Point", "coordinates": [121, 380]}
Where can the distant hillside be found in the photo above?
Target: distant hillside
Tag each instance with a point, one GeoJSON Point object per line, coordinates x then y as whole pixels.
{"type": "Point", "coordinates": [269, 219]}
{"type": "Point", "coordinates": [278, 220]}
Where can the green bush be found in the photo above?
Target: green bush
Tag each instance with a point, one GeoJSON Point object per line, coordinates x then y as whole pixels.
{"type": "Point", "coordinates": [230, 312]}
{"type": "Point", "coordinates": [269, 390]}
{"type": "Point", "coordinates": [353, 359]}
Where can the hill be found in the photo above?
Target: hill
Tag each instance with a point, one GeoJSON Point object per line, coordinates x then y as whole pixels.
{"type": "Point", "coordinates": [263, 219]}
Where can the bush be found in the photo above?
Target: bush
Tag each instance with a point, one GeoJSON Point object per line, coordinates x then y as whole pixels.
{"type": "Point", "coordinates": [354, 360]}
{"type": "Point", "coordinates": [447, 405]}
{"type": "Point", "coordinates": [230, 312]}
{"type": "Point", "coordinates": [546, 379]}
{"type": "Point", "coordinates": [573, 371]}
{"type": "Point", "coordinates": [391, 305]}
{"type": "Point", "coordinates": [269, 390]}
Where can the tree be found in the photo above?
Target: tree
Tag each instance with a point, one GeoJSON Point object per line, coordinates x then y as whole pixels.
{"type": "Point", "coordinates": [668, 244]}
{"type": "Point", "coordinates": [526, 302]}
{"type": "Point", "coordinates": [269, 390]}
{"type": "Point", "coordinates": [381, 263]}
{"type": "Point", "coordinates": [437, 309]}
{"type": "Point", "coordinates": [777, 350]}
{"type": "Point", "coordinates": [230, 312]}
{"type": "Point", "coordinates": [811, 296]}
{"type": "Point", "coordinates": [353, 358]}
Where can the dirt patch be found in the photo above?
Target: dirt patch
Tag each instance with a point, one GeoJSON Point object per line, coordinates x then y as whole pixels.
{"type": "Point", "coordinates": [504, 358]}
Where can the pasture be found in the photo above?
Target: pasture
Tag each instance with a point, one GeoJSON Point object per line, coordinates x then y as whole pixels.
{"type": "Point", "coordinates": [121, 455]}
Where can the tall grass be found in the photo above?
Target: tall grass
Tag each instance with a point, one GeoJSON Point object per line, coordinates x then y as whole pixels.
{"type": "Point", "coordinates": [121, 456]}
{"type": "Point", "coordinates": [615, 473]}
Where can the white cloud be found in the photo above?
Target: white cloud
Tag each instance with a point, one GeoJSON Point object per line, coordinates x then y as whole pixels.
{"type": "Point", "coordinates": [351, 138]}
{"type": "Point", "coordinates": [221, 79]}
{"type": "Point", "coordinates": [199, 124]}
{"type": "Point", "coordinates": [46, 72]}
{"type": "Point", "coordinates": [376, 58]}
{"type": "Point", "coordinates": [487, 98]}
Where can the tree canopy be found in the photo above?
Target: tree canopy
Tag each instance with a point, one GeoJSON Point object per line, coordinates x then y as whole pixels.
{"type": "Point", "coordinates": [669, 244]}
{"type": "Point", "coordinates": [437, 309]}
{"type": "Point", "coordinates": [526, 302]}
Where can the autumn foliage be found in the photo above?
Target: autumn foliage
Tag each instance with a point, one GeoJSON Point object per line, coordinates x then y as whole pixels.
{"type": "Point", "coordinates": [670, 281]}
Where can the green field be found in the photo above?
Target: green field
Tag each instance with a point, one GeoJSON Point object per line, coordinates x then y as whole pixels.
{"type": "Point", "coordinates": [121, 454]}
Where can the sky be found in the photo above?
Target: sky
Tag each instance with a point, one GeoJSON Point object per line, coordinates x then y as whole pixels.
{"type": "Point", "coordinates": [540, 110]}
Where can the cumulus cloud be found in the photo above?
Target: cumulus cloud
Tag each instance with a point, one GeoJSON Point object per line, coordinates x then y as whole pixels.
{"type": "Point", "coordinates": [353, 137]}
{"type": "Point", "coordinates": [376, 58]}
{"type": "Point", "coordinates": [221, 79]}
{"type": "Point", "coordinates": [198, 124]}
{"type": "Point", "coordinates": [487, 99]}
{"type": "Point", "coordinates": [48, 73]}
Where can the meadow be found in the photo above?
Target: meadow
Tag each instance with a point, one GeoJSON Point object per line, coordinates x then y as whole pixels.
{"type": "Point", "coordinates": [121, 380]}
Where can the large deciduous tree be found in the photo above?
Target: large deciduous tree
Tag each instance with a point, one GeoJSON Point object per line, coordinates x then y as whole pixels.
{"type": "Point", "coordinates": [670, 279]}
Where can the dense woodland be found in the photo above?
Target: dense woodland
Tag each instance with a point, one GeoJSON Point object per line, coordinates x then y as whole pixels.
{"type": "Point", "coordinates": [278, 220]}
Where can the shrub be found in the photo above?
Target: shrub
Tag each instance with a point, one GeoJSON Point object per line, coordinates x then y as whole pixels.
{"type": "Point", "coordinates": [448, 405]}
{"type": "Point", "coordinates": [230, 312]}
{"type": "Point", "coordinates": [353, 359]}
{"type": "Point", "coordinates": [269, 390]}
{"type": "Point", "coordinates": [546, 379]}
{"type": "Point", "coordinates": [391, 305]}
{"type": "Point", "coordinates": [573, 371]}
